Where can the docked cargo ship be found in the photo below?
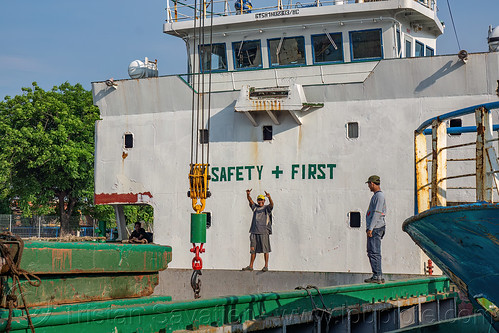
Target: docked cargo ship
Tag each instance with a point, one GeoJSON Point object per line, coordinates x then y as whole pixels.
{"type": "Point", "coordinates": [304, 101]}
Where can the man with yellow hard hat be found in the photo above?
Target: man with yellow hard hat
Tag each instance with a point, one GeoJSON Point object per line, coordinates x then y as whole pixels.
{"type": "Point", "coordinates": [261, 228]}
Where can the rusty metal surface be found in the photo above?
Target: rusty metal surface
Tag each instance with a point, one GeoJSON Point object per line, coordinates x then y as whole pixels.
{"type": "Point", "coordinates": [83, 288]}
{"type": "Point", "coordinates": [41, 257]}
{"type": "Point", "coordinates": [128, 198]}
{"type": "Point", "coordinates": [421, 156]}
{"type": "Point", "coordinates": [439, 164]}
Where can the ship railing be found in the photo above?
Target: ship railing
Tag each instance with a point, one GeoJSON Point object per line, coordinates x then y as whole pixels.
{"type": "Point", "coordinates": [431, 186]}
{"type": "Point", "coordinates": [180, 10]}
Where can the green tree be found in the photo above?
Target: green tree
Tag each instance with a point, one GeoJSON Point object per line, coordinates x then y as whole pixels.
{"type": "Point", "coordinates": [47, 153]}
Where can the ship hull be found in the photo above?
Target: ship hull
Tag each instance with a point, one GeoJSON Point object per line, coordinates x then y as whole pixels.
{"type": "Point", "coordinates": [315, 173]}
{"type": "Point", "coordinates": [464, 242]}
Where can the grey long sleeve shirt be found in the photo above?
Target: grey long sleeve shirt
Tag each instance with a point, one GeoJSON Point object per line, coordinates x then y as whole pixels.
{"type": "Point", "coordinates": [375, 216]}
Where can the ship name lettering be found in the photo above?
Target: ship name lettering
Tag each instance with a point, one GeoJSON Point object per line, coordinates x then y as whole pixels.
{"type": "Point", "coordinates": [285, 12]}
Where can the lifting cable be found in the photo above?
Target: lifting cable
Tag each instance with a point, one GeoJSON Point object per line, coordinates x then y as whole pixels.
{"type": "Point", "coordinates": [200, 129]}
{"type": "Point", "coordinates": [318, 314]}
{"type": "Point", "coordinates": [8, 243]}
{"type": "Point", "coordinates": [453, 25]}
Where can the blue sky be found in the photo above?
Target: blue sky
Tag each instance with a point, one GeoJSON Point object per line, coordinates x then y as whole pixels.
{"type": "Point", "coordinates": [51, 42]}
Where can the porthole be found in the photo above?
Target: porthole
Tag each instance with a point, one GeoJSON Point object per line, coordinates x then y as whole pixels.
{"type": "Point", "coordinates": [353, 130]}
{"type": "Point", "coordinates": [204, 136]}
{"type": "Point", "coordinates": [354, 218]}
{"type": "Point", "coordinates": [456, 122]}
{"type": "Point", "coordinates": [267, 133]}
{"type": "Point", "coordinates": [128, 140]}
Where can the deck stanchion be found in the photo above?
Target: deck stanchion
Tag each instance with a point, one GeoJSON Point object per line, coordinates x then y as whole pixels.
{"type": "Point", "coordinates": [439, 164]}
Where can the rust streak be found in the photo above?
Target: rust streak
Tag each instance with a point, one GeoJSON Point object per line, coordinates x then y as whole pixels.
{"type": "Point", "coordinates": [59, 258]}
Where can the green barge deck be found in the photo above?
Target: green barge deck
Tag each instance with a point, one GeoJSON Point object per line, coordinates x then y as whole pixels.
{"type": "Point", "coordinates": [350, 308]}
{"type": "Point", "coordinates": [103, 287]}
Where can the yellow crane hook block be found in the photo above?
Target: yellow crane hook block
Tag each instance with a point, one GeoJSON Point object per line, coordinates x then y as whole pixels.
{"type": "Point", "coordinates": [198, 180]}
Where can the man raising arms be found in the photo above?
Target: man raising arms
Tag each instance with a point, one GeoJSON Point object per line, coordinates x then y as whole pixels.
{"type": "Point", "coordinates": [260, 229]}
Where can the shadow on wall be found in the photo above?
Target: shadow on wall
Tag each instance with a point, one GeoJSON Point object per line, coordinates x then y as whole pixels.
{"type": "Point", "coordinates": [443, 71]}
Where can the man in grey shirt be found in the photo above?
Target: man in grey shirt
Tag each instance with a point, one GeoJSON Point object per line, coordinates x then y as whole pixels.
{"type": "Point", "coordinates": [375, 228]}
{"type": "Point", "coordinates": [260, 229]}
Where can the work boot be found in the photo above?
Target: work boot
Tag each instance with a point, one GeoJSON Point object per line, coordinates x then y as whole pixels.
{"type": "Point", "coordinates": [375, 279]}
{"type": "Point", "coordinates": [372, 279]}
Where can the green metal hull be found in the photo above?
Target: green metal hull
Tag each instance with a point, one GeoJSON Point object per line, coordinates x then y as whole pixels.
{"type": "Point", "coordinates": [88, 271]}
{"type": "Point", "coordinates": [237, 313]}
{"type": "Point", "coordinates": [93, 257]}
{"type": "Point", "coordinates": [85, 288]}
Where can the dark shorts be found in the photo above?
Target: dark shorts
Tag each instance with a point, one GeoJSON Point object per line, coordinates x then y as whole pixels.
{"type": "Point", "coordinates": [259, 243]}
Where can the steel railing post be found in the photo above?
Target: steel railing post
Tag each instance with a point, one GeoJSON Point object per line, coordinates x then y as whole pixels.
{"type": "Point", "coordinates": [439, 164]}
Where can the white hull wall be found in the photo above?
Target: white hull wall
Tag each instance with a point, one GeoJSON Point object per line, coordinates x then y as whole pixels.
{"type": "Point", "coordinates": [311, 228]}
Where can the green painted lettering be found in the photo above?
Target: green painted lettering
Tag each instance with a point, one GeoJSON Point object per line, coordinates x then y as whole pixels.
{"type": "Point", "coordinates": [214, 176]}
{"type": "Point", "coordinates": [312, 169]}
{"type": "Point", "coordinates": [321, 174]}
{"type": "Point", "coordinates": [223, 174]}
{"type": "Point", "coordinates": [249, 168]}
{"type": "Point", "coordinates": [230, 173]}
{"type": "Point", "coordinates": [303, 171]}
{"type": "Point", "coordinates": [259, 168]}
{"type": "Point", "coordinates": [293, 170]}
{"type": "Point", "coordinates": [239, 173]}
{"type": "Point", "coordinates": [331, 167]}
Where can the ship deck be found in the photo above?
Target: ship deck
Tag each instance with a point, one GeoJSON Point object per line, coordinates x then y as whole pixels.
{"type": "Point", "coordinates": [391, 306]}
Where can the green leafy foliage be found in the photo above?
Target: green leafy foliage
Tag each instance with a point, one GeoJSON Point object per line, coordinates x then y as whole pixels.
{"type": "Point", "coordinates": [46, 156]}
{"type": "Point", "coordinates": [137, 213]}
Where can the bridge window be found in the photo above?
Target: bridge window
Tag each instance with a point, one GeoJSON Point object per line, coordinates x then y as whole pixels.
{"type": "Point", "coordinates": [216, 60]}
{"type": "Point", "coordinates": [430, 52]}
{"type": "Point", "coordinates": [366, 44]}
{"type": "Point", "coordinates": [399, 44]}
{"type": "Point", "coordinates": [408, 49]}
{"type": "Point", "coordinates": [247, 54]}
{"type": "Point", "coordinates": [328, 47]}
{"type": "Point", "coordinates": [287, 51]}
{"type": "Point", "coordinates": [419, 49]}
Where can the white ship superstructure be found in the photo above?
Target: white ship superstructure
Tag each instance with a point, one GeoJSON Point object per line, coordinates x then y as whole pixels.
{"type": "Point", "coordinates": [307, 101]}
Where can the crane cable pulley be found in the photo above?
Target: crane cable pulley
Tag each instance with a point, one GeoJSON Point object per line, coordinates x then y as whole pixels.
{"type": "Point", "coordinates": [199, 167]}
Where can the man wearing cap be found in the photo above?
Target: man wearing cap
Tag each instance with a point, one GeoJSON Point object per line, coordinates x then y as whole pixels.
{"type": "Point", "coordinates": [260, 229]}
{"type": "Point", "coordinates": [375, 228]}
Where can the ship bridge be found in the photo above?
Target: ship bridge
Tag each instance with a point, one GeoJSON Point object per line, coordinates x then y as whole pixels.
{"type": "Point", "coordinates": [224, 36]}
